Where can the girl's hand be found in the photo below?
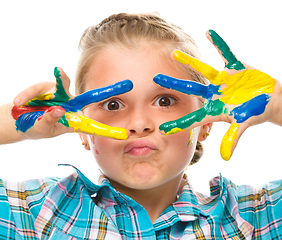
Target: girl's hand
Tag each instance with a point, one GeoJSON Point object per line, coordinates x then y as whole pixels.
{"type": "Point", "coordinates": [240, 95]}
{"type": "Point", "coordinates": [57, 111]}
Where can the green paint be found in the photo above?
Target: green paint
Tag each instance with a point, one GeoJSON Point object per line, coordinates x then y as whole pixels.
{"type": "Point", "coordinates": [63, 120]}
{"type": "Point", "coordinates": [226, 110]}
{"type": "Point", "coordinates": [60, 94]}
{"type": "Point", "coordinates": [231, 60]}
{"type": "Point", "coordinates": [211, 108]}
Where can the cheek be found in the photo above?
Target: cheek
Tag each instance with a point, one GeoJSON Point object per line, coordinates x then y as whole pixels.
{"type": "Point", "coordinates": [182, 146]}
{"type": "Point", "coordinates": [104, 149]}
{"type": "Point", "coordinates": [93, 145]}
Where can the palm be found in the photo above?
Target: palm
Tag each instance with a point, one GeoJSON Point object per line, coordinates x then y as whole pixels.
{"type": "Point", "coordinates": [236, 95]}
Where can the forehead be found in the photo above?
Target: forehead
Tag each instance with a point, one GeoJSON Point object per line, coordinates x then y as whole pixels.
{"type": "Point", "coordinates": [140, 65]}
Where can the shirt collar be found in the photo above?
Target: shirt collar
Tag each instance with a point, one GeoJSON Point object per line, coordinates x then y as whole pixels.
{"type": "Point", "coordinates": [104, 185]}
{"type": "Point", "coordinates": [90, 186]}
{"type": "Point", "coordinates": [189, 202]}
{"type": "Point", "coordinates": [188, 207]}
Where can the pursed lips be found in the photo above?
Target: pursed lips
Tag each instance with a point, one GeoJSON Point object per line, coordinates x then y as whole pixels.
{"type": "Point", "coordinates": [140, 147]}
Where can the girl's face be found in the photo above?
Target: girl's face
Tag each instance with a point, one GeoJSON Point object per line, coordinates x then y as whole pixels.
{"type": "Point", "coordinates": [147, 159]}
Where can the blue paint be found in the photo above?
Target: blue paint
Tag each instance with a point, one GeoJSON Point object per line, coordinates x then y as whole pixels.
{"type": "Point", "coordinates": [27, 120]}
{"type": "Point", "coordinates": [97, 95]}
{"type": "Point", "coordinates": [187, 86]}
{"type": "Point", "coordinates": [253, 107]}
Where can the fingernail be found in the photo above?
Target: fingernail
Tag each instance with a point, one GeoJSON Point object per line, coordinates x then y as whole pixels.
{"type": "Point", "coordinates": [58, 113]}
{"type": "Point", "coordinates": [17, 101]}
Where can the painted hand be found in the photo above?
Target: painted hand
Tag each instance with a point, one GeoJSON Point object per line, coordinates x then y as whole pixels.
{"type": "Point", "coordinates": [34, 109]}
{"type": "Point", "coordinates": [239, 95]}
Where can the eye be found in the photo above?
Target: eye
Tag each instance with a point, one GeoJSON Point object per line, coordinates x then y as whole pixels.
{"type": "Point", "coordinates": [165, 101]}
{"type": "Point", "coordinates": [112, 105]}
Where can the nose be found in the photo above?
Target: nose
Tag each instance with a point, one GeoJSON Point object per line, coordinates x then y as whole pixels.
{"type": "Point", "coordinates": [140, 124]}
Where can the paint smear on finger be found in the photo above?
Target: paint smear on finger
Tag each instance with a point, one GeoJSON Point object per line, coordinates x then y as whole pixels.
{"type": "Point", "coordinates": [227, 141]}
{"type": "Point", "coordinates": [191, 136]}
{"type": "Point", "coordinates": [80, 123]}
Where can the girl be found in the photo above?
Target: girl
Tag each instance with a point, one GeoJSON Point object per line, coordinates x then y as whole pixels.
{"type": "Point", "coordinates": [143, 192]}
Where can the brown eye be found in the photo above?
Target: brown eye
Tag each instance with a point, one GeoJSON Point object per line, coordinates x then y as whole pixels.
{"type": "Point", "coordinates": [164, 101]}
{"type": "Point", "coordinates": [112, 105]}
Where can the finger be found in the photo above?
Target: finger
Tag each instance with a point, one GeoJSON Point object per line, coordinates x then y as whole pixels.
{"type": "Point", "coordinates": [49, 125]}
{"type": "Point", "coordinates": [31, 92]}
{"type": "Point", "coordinates": [47, 119]}
{"type": "Point", "coordinates": [27, 120]}
{"type": "Point", "coordinates": [206, 70]}
{"type": "Point", "coordinates": [98, 95]}
{"type": "Point", "coordinates": [62, 86]}
{"type": "Point", "coordinates": [16, 112]}
{"type": "Point", "coordinates": [187, 86]}
{"type": "Point", "coordinates": [211, 108]}
{"type": "Point", "coordinates": [230, 140]}
{"type": "Point", "coordinates": [61, 94]}
{"type": "Point", "coordinates": [81, 123]}
{"type": "Point", "coordinates": [231, 62]}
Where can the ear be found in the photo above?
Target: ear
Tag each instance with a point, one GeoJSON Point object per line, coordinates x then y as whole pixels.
{"type": "Point", "coordinates": [84, 140]}
{"type": "Point", "coordinates": [204, 131]}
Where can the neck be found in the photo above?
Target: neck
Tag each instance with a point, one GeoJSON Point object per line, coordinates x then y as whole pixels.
{"type": "Point", "coordinates": [154, 200]}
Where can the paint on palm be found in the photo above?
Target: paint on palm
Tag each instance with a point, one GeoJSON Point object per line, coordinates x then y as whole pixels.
{"type": "Point", "coordinates": [238, 91]}
{"type": "Point", "coordinates": [33, 110]}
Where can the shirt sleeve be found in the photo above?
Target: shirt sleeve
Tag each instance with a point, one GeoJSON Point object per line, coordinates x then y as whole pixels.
{"type": "Point", "coordinates": [262, 207]}
{"type": "Point", "coordinates": [20, 203]}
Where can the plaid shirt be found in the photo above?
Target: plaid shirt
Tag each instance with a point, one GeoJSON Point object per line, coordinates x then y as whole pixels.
{"type": "Point", "coordinates": [75, 208]}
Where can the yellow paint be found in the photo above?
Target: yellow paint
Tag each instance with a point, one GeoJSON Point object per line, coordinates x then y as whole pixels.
{"type": "Point", "coordinates": [191, 136]}
{"type": "Point", "coordinates": [239, 87]}
{"type": "Point", "coordinates": [42, 97]}
{"type": "Point", "coordinates": [80, 123]}
{"type": "Point", "coordinates": [174, 130]}
{"type": "Point", "coordinates": [208, 71]}
{"type": "Point", "coordinates": [227, 141]}
{"type": "Point", "coordinates": [243, 86]}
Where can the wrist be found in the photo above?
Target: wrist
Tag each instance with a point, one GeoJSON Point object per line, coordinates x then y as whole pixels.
{"type": "Point", "coordinates": [8, 132]}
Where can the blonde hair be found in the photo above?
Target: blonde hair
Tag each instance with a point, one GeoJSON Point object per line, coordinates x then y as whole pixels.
{"type": "Point", "coordinates": [128, 30]}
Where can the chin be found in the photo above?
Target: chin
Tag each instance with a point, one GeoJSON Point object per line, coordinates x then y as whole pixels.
{"type": "Point", "coordinates": [144, 182]}
{"type": "Point", "coordinates": [142, 185]}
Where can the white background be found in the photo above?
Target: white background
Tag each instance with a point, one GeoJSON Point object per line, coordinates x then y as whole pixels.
{"type": "Point", "coordinates": [37, 36]}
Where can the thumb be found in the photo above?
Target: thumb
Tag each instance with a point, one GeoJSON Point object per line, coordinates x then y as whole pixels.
{"type": "Point", "coordinates": [230, 140]}
{"type": "Point", "coordinates": [51, 116]}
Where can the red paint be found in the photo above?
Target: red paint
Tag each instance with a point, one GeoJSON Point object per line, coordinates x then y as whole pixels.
{"type": "Point", "coordinates": [49, 110]}
{"type": "Point", "coordinates": [18, 111]}
{"type": "Point", "coordinates": [93, 141]}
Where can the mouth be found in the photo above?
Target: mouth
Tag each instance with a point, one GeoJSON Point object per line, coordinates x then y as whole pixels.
{"type": "Point", "coordinates": [140, 148]}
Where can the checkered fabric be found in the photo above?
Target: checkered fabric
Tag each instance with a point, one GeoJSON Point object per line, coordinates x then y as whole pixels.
{"type": "Point", "coordinates": [75, 208]}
